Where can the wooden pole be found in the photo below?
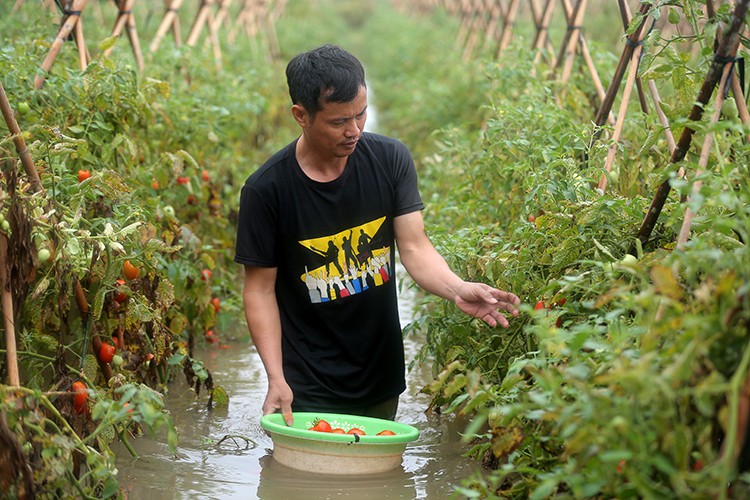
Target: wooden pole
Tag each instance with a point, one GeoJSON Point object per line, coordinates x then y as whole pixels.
{"type": "Point", "coordinates": [727, 50]}
{"type": "Point", "coordinates": [662, 117]}
{"type": "Point", "coordinates": [687, 222]}
{"type": "Point", "coordinates": [626, 17]}
{"type": "Point", "coordinates": [574, 33]}
{"type": "Point", "coordinates": [541, 40]}
{"type": "Point", "coordinates": [201, 18]}
{"type": "Point", "coordinates": [8, 322]}
{"type": "Point", "coordinates": [614, 86]}
{"type": "Point", "coordinates": [620, 117]}
{"type": "Point", "coordinates": [18, 141]}
{"type": "Point", "coordinates": [83, 52]}
{"type": "Point", "coordinates": [169, 21]}
{"type": "Point", "coordinates": [135, 42]}
{"type": "Point", "coordinates": [68, 25]}
{"type": "Point", "coordinates": [508, 19]}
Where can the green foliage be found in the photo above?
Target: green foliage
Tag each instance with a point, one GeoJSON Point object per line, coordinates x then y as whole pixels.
{"type": "Point", "coordinates": [626, 383]}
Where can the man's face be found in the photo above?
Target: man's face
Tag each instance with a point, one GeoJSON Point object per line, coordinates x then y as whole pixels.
{"type": "Point", "coordinates": [334, 130]}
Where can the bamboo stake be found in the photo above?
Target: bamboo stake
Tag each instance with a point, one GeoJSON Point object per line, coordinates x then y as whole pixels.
{"type": "Point", "coordinates": [508, 19]}
{"type": "Point", "coordinates": [169, 21]}
{"type": "Point", "coordinates": [568, 48]}
{"type": "Point", "coordinates": [8, 322]}
{"type": "Point", "coordinates": [222, 13]}
{"type": "Point", "coordinates": [614, 85]}
{"type": "Point", "coordinates": [68, 25]}
{"type": "Point", "coordinates": [125, 19]}
{"type": "Point", "coordinates": [626, 17]}
{"type": "Point", "coordinates": [473, 30]}
{"type": "Point", "coordinates": [739, 98]}
{"type": "Point", "coordinates": [201, 18]}
{"type": "Point", "coordinates": [662, 117]}
{"type": "Point", "coordinates": [687, 221]}
{"type": "Point", "coordinates": [270, 31]}
{"type": "Point", "coordinates": [620, 118]}
{"type": "Point", "coordinates": [493, 22]}
{"type": "Point", "coordinates": [19, 142]}
{"type": "Point", "coordinates": [135, 42]}
{"type": "Point", "coordinates": [727, 50]}
{"type": "Point", "coordinates": [542, 32]}
{"type": "Point", "coordinates": [83, 53]}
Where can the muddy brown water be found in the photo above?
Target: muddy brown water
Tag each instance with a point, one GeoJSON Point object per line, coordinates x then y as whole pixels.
{"type": "Point", "coordinates": [430, 468]}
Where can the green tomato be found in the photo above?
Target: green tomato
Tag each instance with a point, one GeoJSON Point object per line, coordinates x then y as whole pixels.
{"type": "Point", "coordinates": [168, 210]}
{"type": "Point", "coordinates": [23, 108]}
{"type": "Point", "coordinates": [43, 255]}
{"type": "Point", "coordinates": [629, 260]}
{"type": "Point", "coordinates": [729, 108]}
{"type": "Point", "coordinates": [5, 226]}
{"type": "Point", "coordinates": [117, 360]}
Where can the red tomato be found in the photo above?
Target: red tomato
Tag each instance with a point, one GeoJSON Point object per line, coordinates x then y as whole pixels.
{"type": "Point", "coordinates": [354, 430]}
{"type": "Point", "coordinates": [116, 340]}
{"type": "Point", "coordinates": [539, 305]}
{"type": "Point", "coordinates": [183, 180]}
{"type": "Point", "coordinates": [322, 426]}
{"type": "Point", "coordinates": [83, 175]}
{"type": "Point", "coordinates": [191, 199]}
{"type": "Point", "coordinates": [216, 303]}
{"type": "Point", "coordinates": [205, 176]}
{"type": "Point", "coordinates": [106, 353]}
{"type": "Point", "coordinates": [129, 270]}
{"type": "Point", "coordinates": [338, 430]}
{"type": "Point", "coordinates": [79, 397]}
{"type": "Point", "coordinates": [532, 218]}
{"type": "Point", "coordinates": [119, 296]}
{"type": "Point", "coordinates": [386, 432]}
{"type": "Point", "coordinates": [155, 185]}
{"type": "Point", "coordinates": [206, 274]}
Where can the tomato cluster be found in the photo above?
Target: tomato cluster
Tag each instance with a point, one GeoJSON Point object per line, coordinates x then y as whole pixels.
{"type": "Point", "coordinates": [320, 425]}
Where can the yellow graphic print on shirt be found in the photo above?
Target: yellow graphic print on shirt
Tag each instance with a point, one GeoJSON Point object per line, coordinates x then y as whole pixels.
{"type": "Point", "coordinates": [351, 264]}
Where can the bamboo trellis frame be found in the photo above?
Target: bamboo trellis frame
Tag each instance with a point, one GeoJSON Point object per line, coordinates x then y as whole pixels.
{"type": "Point", "coordinates": [725, 52]}
{"type": "Point", "coordinates": [71, 23]}
{"type": "Point", "coordinates": [205, 18]}
{"type": "Point", "coordinates": [126, 19]}
{"type": "Point", "coordinates": [170, 22]}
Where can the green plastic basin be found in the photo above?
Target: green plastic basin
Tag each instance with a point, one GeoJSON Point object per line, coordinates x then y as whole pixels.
{"type": "Point", "coordinates": [321, 452]}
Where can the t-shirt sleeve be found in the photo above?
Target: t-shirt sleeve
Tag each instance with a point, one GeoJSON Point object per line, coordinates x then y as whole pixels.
{"type": "Point", "coordinates": [256, 230]}
{"type": "Point", "coordinates": [407, 198]}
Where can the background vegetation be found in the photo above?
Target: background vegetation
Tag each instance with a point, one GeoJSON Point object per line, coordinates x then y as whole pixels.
{"type": "Point", "coordinates": [626, 382]}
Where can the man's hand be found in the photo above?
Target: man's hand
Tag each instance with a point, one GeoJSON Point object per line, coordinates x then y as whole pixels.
{"type": "Point", "coordinates": [279, 400]}
{"type": "Point", "coordinates": [484, 302]}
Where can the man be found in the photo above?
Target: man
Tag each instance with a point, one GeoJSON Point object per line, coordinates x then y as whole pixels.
{"type": "Point", "coordinates": [329, 336]}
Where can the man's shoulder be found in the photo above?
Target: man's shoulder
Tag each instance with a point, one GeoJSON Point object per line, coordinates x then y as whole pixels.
{"type": "Point", "coordinates": [382, 141]}
{"type": "Point", "coordinates": [273, 168]}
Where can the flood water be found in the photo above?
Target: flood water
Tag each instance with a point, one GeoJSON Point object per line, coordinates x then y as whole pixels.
{"type": "Point", "coordinates": [430, 467]}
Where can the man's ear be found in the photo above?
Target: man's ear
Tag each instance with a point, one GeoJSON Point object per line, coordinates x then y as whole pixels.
{"type": "Point", "coordinates": [301, 115]}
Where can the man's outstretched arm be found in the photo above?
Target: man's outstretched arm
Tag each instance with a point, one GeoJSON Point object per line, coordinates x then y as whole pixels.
{"type": "Point", "coordinates": [431, 272]}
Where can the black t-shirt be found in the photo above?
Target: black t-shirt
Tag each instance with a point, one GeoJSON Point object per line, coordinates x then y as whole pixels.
{"type": "Point", "coordinates": [333, 245]}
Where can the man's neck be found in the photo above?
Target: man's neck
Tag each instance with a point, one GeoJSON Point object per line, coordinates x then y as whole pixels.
{"type": "Point", "coordinates": [317, 167]}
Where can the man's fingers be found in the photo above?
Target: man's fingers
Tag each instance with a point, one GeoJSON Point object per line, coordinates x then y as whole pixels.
{"type": "Point", "coordinates": [288, 418]}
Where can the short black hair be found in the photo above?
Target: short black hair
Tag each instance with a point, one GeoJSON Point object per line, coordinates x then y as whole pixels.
{"type": "Point", "coordinates": [325, 74]}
